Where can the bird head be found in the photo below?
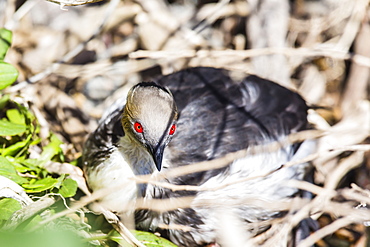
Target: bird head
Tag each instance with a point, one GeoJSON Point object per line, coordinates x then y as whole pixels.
{"type": "Point", "coordinates": [149, 118]}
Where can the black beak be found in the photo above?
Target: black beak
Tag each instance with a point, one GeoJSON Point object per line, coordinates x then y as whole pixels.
{"type": "Point", "coordinates": [157, 154]}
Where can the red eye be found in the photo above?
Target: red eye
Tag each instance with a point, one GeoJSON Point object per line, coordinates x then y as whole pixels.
{"type": "Point", "coordinates": [138, 128]}
{"type": "Point", "coordinates": [172, 130]}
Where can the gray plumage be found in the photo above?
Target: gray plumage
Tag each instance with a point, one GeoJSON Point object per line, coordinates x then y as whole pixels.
{"type": "Point", "coordinates": [214, 112]}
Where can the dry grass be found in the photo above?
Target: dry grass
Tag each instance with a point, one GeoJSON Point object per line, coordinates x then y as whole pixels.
{"type": "Point", "coordinates": [319, 48]}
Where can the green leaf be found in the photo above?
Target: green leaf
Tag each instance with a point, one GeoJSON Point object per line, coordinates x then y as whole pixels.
{"type": "Point", "coordinates": [26, 114]}
{"type": "Point", "coordinates": [147, 238]}
{"type": "Point", "coordinates": [31, 164]}
{"type": "Point", "coordinates": [50, 150]}
{"type": "Point", "coordinates": [13, 149]}
{"type": "Point", "coordinates": [5, 41]}
{"type": "Point", "coordinates": [17, 163]}
{"type": "Point", "coordinates": [4, 100]}
{"type": "Point", "coordinates": [8, 207]}
{"type": "Point", "coordinates": [60, 181]}
{"type": "Point", "coordinates": [8, 74]}
{"type": "Point", "coordinates": [36, 141]}
{"type": "Point", "coordinates": [45, 238]}
{"type": "Point", "coordinates": [33, 222]}
{"type": "Point", "coordinates": [152, 240]}
{"type": "Point", "coordinates": [40, 185]}
{"type": "Point", "coordinates": [10, 129]}
{"type": "Point", "coordinates": [8, 170]}
{"type": "Point", "coordinates": [15, 116]}
{"type": "Point", "coordinates": [69, 188]}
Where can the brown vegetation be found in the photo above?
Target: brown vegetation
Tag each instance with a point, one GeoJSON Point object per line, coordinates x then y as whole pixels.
{"type": "Point", "coordinates": [75, 61]}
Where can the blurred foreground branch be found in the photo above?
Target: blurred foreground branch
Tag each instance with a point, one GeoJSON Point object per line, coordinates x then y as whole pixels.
{"type": "Point", "coordinates": [289, 52]}
{"type": "Point", "coordinates": [73, 2]}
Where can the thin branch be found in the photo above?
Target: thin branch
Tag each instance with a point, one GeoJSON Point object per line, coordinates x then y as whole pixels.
{"type": "Point", "coordinates": [290, 52]}
{"type": "Point", "coordinates": [121, 229]}
{"type": "Point", "coordinates": [20, 13]}
{"type": "Point", "coordinates": [27, 212]}
{"type": "Point", "coordinates": [227, 159]}
{"type": "Point", "coordinates": [74, 2]}
{"type": "Point", "coordinates": [212, 16]}
{"type": "Point", "coordinates": [343, 168]}
{"type": "Point", "coordinates": [326, 230]}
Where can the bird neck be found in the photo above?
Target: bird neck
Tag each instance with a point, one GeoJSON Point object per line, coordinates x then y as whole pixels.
{"type": "Point", "coordinates": [136, 156]}
{"type": "Point", "coordinates": [139, 160]}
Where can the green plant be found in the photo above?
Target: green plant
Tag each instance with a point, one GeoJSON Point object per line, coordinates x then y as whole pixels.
{"type": "Point", "coordinates": [20, 135]}
{"type": "Point", "coordinates": [8, 74]}
{"type": "Point", "coordinates": [23, 155]}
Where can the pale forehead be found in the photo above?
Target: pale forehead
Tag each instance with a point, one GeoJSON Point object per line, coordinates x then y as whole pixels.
{"type": "Point", "coordinates": [153, 108]}
{"type": "Point", "coordinates": [140, 92]}
{"type": "Point", "coordinates": [152, 99]}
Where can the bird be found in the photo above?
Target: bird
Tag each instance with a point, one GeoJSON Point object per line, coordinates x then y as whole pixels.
{"type": "Point", "coordinates": [194, 115]}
